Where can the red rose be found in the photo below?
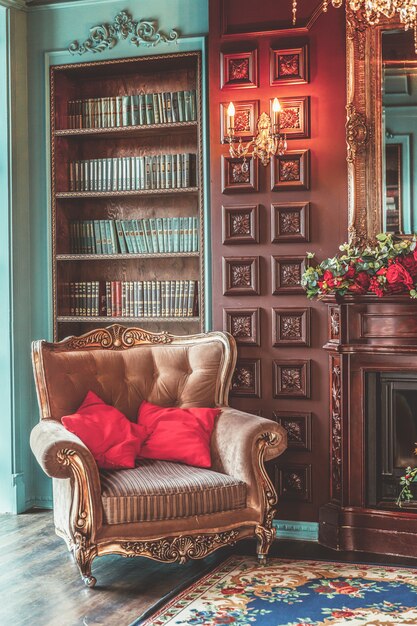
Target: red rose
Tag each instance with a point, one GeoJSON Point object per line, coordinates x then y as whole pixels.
{"type": "Point", "coordinates": [398, 278]}
{"type": "Point", "coordinates": [350, 272]}
{"type": "Point", "coordinates": [361, 283]}
{"type": "Point", "coordinates": [329, 278]}
{"type": "Point", "coordinates": [410, 264]}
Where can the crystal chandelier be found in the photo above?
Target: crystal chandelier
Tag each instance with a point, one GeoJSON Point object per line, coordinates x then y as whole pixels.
{"type": "Point", "coordinates": [268, 141]}
{"type": "Point", "coordinates": [405, 10]}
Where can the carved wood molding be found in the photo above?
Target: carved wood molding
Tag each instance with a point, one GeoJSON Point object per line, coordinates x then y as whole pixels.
{"type": "Point", "coordinates": [336, 427]}
{"type": "Point", "coordinates": [106, 36]}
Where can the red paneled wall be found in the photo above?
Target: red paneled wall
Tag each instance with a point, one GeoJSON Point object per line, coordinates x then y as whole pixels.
{"type": "Point", "coordinates": [282, 371]}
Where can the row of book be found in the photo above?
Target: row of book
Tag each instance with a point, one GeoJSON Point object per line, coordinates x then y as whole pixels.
{"type": "Point", "coordinates": [148, 298]}
{"type": "Point", "coordinates": [133, 110]}
{"type": "Point", "coordinates": [162, 171]}
{"type": "Point", "coordinates": [140, 236]}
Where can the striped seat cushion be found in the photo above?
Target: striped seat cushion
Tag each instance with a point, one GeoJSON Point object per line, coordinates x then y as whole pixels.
{"type": "Point", "coordinates": [160, 490]}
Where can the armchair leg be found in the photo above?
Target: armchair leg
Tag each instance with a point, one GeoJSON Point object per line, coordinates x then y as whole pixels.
{"type": "Point", "coordinates": [265, 538]}
{"type": "Point", "coordinates": [84, 556]}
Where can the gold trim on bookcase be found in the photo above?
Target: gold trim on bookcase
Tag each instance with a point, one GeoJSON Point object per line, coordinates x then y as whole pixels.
{"type": "Point", "coordinates": [202, 294]}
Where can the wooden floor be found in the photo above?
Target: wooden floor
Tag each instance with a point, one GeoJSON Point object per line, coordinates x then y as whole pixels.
{"type": "Point", "coordinates": [40, 584]}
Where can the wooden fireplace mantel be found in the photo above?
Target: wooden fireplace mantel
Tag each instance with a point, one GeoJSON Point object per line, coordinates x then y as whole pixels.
{"type": "Point", "coordinates": [365, 334]}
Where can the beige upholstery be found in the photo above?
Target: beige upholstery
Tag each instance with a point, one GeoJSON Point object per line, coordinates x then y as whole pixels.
{"type": "Point", "coordinates": [159, 490]}
{"type": "Point", "coordinates": [165, 511]}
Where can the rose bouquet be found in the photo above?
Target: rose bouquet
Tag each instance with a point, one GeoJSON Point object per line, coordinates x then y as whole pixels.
{"type": "Point", "coordinates": [390, 267]}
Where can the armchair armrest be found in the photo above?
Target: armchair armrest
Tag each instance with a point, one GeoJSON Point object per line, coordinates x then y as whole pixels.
{"type": "Point", "coordinates": [240, 443]}
{"type": "Point", "coordinates": [48, 439]}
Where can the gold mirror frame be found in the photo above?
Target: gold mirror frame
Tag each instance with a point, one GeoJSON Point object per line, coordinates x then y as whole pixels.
{"type": "Point", "coordinates": [364, 124]}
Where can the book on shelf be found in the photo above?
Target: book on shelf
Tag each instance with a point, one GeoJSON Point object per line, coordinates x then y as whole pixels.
{"type": "Point", "coordinates": [130, 299]}
{"type": "Point", "coordinates": [159, 235]}
{"type": "Point", "coordinates": [162, 171]}
{"type": "Point", "coordinates": [133, 110]}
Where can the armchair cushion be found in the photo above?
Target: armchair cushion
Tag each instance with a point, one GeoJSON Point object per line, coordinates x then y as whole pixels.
{"type": "Point", "coordinates": [161, 490]}
{"type": "Point", "coordinates": [177, 434]}
{"type": "Point", "coordinates": [112, 439]}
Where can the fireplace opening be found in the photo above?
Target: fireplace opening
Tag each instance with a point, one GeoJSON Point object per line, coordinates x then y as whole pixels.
{"type": "Point", "coordinates": [391, 435]}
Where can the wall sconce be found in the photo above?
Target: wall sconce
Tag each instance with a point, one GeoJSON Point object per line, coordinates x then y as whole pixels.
{"type": "Point", "coordinates": [268, 140]}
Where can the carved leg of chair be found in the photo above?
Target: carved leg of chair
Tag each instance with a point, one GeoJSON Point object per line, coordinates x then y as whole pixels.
{"type": "Point", "coordinates": [84, 556]}
{"type": "Point", "coordinates": [265, 538]}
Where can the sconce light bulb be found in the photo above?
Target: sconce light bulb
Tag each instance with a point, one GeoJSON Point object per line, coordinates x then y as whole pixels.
{"type": "Point", "coordinates": [231, 109]}
{"type": "Point", "coordinates": [276, 106]}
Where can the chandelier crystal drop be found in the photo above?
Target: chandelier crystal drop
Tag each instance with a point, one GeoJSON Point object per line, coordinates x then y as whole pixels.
{"type": "Point", "coordinates": [373, 10]}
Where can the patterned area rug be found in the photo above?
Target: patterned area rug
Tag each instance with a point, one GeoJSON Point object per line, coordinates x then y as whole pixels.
{"type": "Point", "coordinates": [294, 593]}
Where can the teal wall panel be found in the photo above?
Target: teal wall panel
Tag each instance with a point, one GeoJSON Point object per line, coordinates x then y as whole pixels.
{"type": "Point", "coordinates": [50, 30]}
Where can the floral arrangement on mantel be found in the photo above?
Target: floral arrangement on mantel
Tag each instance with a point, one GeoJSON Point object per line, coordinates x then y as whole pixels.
{"type": "Point", "coordinates": [390, 267]}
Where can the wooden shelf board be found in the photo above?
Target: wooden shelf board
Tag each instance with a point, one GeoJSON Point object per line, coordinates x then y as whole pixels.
{"type": "Point", "coordinates": [118, 194]}
{"type": "Point", "coordinates": [123, 131]}
{"type": "Point", "coordinates": [115, 257]}
{"type": "Point", "coordinates": [70, 318]}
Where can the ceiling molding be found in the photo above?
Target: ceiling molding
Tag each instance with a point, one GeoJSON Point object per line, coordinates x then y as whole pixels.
{"type": "Point", "coordinates": [14, 4]}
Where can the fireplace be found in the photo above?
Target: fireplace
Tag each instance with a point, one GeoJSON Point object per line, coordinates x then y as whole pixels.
{"type": "Point", "coordinates": [372, 347]}
{"type": "Point", "coordinates": [391, 434]}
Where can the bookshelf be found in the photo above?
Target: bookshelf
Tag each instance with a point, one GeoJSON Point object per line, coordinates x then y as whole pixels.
{"type": "Point", "coordinates": [127, 194]}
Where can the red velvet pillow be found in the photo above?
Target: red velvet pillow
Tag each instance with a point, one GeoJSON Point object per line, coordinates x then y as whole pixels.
{"type": "Point", "coordinates": [113, 439]}
{"type": "Point", "coordinates": [176, 434]}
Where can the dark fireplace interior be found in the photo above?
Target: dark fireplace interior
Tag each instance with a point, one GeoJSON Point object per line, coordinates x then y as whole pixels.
{"type": "Point", "coordinates": [391, 434]}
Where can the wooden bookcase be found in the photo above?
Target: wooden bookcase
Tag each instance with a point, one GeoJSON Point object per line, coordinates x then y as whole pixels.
{"type": "Point", "coordinates": [108, 79]}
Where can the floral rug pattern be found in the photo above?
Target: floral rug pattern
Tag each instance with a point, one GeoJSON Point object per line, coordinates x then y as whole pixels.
{"type": "Point", "coordinates": [294, 593]}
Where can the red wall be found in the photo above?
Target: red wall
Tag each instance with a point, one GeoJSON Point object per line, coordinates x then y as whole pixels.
{"type": "Point", "coordinates": [304, 473]}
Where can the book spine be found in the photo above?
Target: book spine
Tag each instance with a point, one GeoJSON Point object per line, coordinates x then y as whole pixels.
{"type": "Point", "coordinates": [184, 302]}
{"type": "Point", "coordinates": [157, 119]}
{"type": "Point", "coordinates": [191, 298]}
{"type": "Point", "coordinates": [140, 299]}
{"type": "Point", "coordinates": [174, 106]}
{"type": "Point", "coordinates": [181, 107]}
{"type": "Point", "coordinates": [121, 237]}
{"type": "Point", "coordinates": [108, 298]}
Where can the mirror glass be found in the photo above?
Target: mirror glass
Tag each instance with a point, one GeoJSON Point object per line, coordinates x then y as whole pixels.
{"type": "Point", "coordinates": [399, 132]}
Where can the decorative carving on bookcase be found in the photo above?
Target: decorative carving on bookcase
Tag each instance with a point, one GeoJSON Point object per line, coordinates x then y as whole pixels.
{"type": "Point", "coordinates": [290, 222]}
{"type": "Point", "coordinates": [298, 427]}
{"type": "Point", "coordinates": [336, 427]}
{"type": "Point", "coordinates": [246, 378]}
{"type": "Point", "coordinates": [106, 36]}
{"type": "Point", "coordinates": [240, 224]}
{"type": "Point", "coordinates": [286, 274]}
{"type": "Point", "coordinates": [291, 378]}
{"type": "Point", "coordinates": [243, 325]}
{"type": "Point", "coordinates": [291, 327]}
{"type": "Point", "coordinates": [334, 323]}
{"type": "Point", "coordinates": [294, 482]}
{"type": "Point", "coordinates": [240, 276]}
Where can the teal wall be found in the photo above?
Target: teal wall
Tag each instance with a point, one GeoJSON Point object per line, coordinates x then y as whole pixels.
{"type": "Point", "coordinates": [25, 307]}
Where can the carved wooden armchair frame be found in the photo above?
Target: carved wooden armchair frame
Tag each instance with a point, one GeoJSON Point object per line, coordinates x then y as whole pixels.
{"type": "Point", "coordinates": [62, 455]}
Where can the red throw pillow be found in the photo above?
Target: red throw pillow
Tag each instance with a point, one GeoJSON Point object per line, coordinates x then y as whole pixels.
{"type": "Point", "coordinates": [176, 434]}
{"type": "Point", "coordinates": [113, 440]}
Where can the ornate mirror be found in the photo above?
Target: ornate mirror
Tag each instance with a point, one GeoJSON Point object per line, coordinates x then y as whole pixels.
{"type": "Point", "coordinates": [381, 128]}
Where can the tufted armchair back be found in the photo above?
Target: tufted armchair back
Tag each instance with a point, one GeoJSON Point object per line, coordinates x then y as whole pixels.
{"type": "Point", "coordinates": [127, 365]}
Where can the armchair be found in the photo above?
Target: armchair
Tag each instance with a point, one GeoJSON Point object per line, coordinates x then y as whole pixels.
{"type": "Point", "coordinates": [162, 510]}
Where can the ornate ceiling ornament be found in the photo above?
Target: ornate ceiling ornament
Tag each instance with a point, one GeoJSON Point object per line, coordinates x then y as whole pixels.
{"type": "Point", "coordinates": [106, 36]}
